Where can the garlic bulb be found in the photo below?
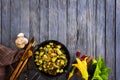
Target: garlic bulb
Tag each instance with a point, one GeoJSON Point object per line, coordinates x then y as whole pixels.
{"type": "Point", "coordinates": [21, 40]}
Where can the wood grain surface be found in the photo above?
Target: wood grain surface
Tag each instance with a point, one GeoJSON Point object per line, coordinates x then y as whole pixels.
{"type": "Point", "coordinates": [110, 36]}
{"type": "Point", "coordinates": [89, 26]}
{"type": "Point", "coordinates": [117, 41]}
{"type": "Point", "coordinates": [5, 23]}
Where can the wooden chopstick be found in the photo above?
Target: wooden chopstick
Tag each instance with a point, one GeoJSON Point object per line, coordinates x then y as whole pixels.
{"type": "Point", "coordinates": [20, 67]}
{"type": "Point", "coordinates": [16, 70]}
{"type": "Point", "coordinates": [17, 75]}
{"type": "Point", "coordinates": [24, 63]}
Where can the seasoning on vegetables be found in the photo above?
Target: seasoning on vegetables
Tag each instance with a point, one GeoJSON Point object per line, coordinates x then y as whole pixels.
{"type": "Point", "coordinates": [51, 59]}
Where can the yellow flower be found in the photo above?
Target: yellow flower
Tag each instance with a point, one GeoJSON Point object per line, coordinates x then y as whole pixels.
{"type": "Point", "coordinates": [82, 67]}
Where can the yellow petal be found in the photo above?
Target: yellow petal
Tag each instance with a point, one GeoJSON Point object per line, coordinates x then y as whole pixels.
{"type": "Point", "coordinates": [82, 67]}
{"type": "Point", "coordinates": [84, 63]}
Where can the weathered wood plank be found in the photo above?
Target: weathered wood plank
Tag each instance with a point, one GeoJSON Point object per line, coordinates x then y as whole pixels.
{"type": "Point", "coordinates": [100, 31]}
{"type": "Point", "coordinates": [117, 40]}
{"type": "Point", "coordinates": [34, 19]}
{"type": "Point", "coordinates": [91, 26]}
{"type": "Point", "coordinates": [62, 21]}
{"type": "Point", "coordinates": [62, 26]}
{"type": "Point", "coordinates": [44, 20]}
{"type": "Point", "coordinates": [110, 37]}
{"type": "Point", "coordinates": [82, 28]}
{"type": "Point", "coordinates": [5, 22]}
{"type": "Point", "coordinates": [53, 20]}
{"type": "Point", "coordinates": [25, 17]}
{"type": "Point", "coordinates": [0, 20]}
{"type": "Point", "coordinates": [15, 21]}
{"type": "Point", "coordinates": [71, 27]}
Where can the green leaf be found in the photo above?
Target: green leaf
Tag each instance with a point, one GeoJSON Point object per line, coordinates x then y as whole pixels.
{"type": "Point", "coordinates": [101, 71]}
{"type": "Point", "coordinates": [105, 73]}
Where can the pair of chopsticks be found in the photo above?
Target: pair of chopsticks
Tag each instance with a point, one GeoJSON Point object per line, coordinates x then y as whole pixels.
{"type": "Point", "coordinates": [27, 54]}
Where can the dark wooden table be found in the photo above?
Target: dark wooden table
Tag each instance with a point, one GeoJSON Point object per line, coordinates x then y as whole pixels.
{"type": "Point", "coordinates": [91, 26]}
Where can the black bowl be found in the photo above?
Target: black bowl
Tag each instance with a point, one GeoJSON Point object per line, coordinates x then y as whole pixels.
{"type": "Point", "coordinates": [66, 68]}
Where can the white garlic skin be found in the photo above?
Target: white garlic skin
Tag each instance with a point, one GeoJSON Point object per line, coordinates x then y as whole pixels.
{"type": "Point", "coordinates": [20, 35]}
{"type": "Point", "coordinates": [21, 40]}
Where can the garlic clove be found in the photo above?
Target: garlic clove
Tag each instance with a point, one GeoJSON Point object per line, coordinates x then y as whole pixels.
{"type": "Point", "coordinates": [20, 40]}
{"type": "Point", "coordinates": [20, 46]}
{"type": "Point", "coordinates": [25, 40]}
{"type": "Point", "coordinates": [20, 35]}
